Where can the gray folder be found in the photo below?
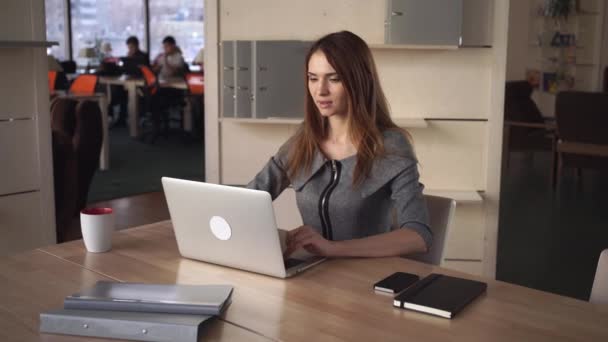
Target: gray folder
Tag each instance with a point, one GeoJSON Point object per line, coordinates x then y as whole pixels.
{"type": "Point", "coordinates": [135, 297]}
{"type": "Point", "coordinates": [139, 326]}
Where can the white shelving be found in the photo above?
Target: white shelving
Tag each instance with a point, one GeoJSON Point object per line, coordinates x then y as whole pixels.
{"type": "Point", "coordinates": [401, 122]}
{"type": "Point", "coordinates": [411, 47]}
{"type": "Point", "coordinates": [26, 43]}
{"type": "Point", "coordinates": [460, 196]}
{"type": "Point", "coordinates": [266, 121]}
{"type": "Point", "coordinates": [411, 122]}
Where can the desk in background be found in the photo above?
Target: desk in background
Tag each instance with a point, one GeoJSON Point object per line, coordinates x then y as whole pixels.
{"type": "Point", "coordinates": [332, 301]}
{"type": "Point", "coordinates": [130, 84]}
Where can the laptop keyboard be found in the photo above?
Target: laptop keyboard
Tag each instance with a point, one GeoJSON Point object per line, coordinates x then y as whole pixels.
{"type": "Point", "coordinates": [290, 262]}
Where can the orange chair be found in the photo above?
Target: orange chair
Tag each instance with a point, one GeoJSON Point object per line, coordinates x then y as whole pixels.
{"type": "Point", "coordinates": [150, 79]}
{"type": "Point", "coordinates": [84, 85]}
{"type": "Point", "coordinates": [196, 95]}
{"type": "Point", "coordinates": [52, 80]}
{"type": "Point", "coordinates": [196, 83]}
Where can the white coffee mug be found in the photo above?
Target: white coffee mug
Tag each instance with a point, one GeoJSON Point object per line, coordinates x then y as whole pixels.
{"type": "Point", "coordinates": [97, 226]}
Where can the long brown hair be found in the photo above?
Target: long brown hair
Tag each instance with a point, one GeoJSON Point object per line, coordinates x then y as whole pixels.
{"type": "Point", "coordinates": [352, 59]}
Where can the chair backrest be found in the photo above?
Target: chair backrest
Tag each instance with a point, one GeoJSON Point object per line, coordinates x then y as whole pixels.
{"type": "Point", "coordinates": [84, 84]}
{"type": "Point", "coordinates": [599, 291]}
{"type": "Point", "coordinates": [441, 213]}
{"type": "Point", "coordinates": [605, 85]}
{"type": "Point", "coordinates": [196, 83]}
{"type": "Point", "coordinates": [63, 116]}
{"type": "Point", "coordinates": [69, 67]}
{"type": "Point", "coordinates": [582, 117]}
{"type": "Point", "coordinates": [52, 79]}
{"type": "Point", "coordinates": [150, 79]}
{"type": "Point", "coordinates": [87, 141]}
{"type": "Point", "coordinates": [519, 105]}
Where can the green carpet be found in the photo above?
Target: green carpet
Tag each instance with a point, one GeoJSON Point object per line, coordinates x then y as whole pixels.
{"type": "Point", "coordinates": [136, 167]}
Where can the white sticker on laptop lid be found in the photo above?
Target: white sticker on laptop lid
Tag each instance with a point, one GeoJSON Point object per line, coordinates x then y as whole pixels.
{"type": "Point", "coordinates": [220, 228]}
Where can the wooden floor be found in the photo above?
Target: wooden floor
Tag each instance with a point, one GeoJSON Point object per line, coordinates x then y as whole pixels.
{"type": "Point", "coordinates": [137, 210]}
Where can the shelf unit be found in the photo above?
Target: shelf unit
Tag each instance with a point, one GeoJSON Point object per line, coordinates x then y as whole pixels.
{"type": "Point", "coordinates": [266, 121]}
{"type": "Point", "coordinates": [563, 53]}
{"type": "Point", "coordinates": [411, 47]}
{"type": "Point", "coordinates": [26, 43]}
{"type": "Point", "coordinates": [460, 196]}
{"type": "Point", "coordinates": [401, 122]}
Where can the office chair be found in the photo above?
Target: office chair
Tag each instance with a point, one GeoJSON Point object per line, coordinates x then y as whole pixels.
{"type": "Point", "coordinates": [69, 67]}
{"type": "Point", "coordinates": [599, 291]}
{"type": "Point", "coordinates": [84, 85]}
{"type": "Point", "coordinates": [441, 213]}
{"type": "Point", "coordinates": [581, 131]}
{"type": "Point", "coordinates": [525, 129]}
{"type": "Point", "coordinates": [52, 80]}
{"type": "Point", "coordinates": [196, 96]}
{"type": "Point", "coordinates": [77, 136]}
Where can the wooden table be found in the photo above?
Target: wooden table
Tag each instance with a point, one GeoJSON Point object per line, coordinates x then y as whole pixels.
{"type": "Point", "coordinates": [332, 301]}
{"type": "Point", "coordinates": [35, 281]}
{"type": "Point", "coordinates": [130, 84]}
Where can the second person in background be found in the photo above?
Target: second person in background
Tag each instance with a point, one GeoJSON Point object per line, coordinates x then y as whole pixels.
{"type": "Point", "coordinates": [170, 63]}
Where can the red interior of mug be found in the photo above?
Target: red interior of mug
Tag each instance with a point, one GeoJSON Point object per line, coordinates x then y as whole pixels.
{"type": "Point", "coordinates": [96, 211]}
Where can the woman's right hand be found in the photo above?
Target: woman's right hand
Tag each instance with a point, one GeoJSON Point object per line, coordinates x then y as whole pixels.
{"type": "Point", "coordinates": [308, 238]}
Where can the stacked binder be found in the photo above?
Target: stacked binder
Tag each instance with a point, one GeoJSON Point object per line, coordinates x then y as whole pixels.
{"type": "Point", "coordinates": [142, 312]}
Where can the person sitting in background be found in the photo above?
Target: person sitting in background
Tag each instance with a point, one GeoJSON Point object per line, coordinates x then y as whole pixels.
{"type": "Point", "coordinates": [106, 53]}
{"type": "Point", "coordinates": [134, 53]}
{"type": "Point", "coordinates": [167, 65]}
{"type": "Point", "coordinates": [170, 63]}
{"type": "Point", "coordinates": [134, 58]}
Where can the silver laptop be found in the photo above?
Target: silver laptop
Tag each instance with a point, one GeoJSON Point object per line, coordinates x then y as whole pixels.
{"type": "Point", "coordinates": [230, 226]}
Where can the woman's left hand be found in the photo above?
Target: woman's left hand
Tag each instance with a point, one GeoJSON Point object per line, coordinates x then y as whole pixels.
{"type": "Point", "coordinates": [309, 239]}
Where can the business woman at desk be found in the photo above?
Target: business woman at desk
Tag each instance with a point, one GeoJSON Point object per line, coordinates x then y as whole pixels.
{"type": "Point", "coordinates": [349, 163]}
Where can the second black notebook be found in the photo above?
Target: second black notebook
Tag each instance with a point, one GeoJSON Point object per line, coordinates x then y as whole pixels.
{"type": "Point", "coordinates": [440, 295]}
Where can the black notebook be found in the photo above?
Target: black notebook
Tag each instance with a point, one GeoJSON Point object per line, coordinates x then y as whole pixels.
{"type": "Point", "coordinates": [440, 295]}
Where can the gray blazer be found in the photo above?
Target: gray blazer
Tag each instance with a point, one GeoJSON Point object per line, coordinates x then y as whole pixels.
{"type": "Point", "coordinates": [329, 202]}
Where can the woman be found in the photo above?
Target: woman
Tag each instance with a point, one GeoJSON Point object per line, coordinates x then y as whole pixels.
{"type": "Point", "coordinates": [349, 163]}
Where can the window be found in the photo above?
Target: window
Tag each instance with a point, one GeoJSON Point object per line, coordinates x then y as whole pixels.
{"type": "Point", "coordinates": [95, 22]}
{"type": "Point", "coordinates": [181, 19]}
{"type": "Point", "coordinates": [56, 28]}
{"type": "Point", "coordinates": [98, 22]}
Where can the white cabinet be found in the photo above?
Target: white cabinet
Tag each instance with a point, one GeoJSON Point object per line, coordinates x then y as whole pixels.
{"type": "Point", "coordinates": [18, 74]}
{"type": "Point", "coordinates": [16, 18]}
{"type": "Point", "coordinates": [21, 216]}
{"type": "Point", "coordinates": [19, 156]}
{"type": "Point", "coordinates": [27, 218]}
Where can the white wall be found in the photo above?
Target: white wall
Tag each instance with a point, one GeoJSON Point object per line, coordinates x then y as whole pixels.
{"type": "Point", "coordinates": [517, 50]}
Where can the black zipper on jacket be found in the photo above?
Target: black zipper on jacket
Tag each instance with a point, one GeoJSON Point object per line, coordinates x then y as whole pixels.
{"type": "Point", "coordinates": [324, 200]}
